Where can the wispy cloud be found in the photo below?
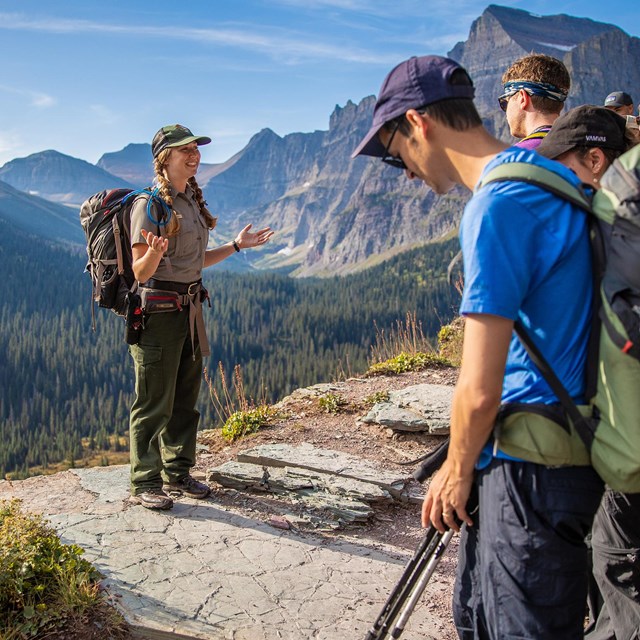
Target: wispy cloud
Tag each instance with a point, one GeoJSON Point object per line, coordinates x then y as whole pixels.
{"type": "Point", "coordinates": [9, 142]}
{"type": "Point", "coordinates": [386, 9]}
{"type": "Point", "coordinates": [279, 44]}
{"type": "Point", "coordinates": [104, 114]}
{"type": "Point", "coordinates": [34, 98]}
{"type": "Point", "coordinates": [370, 7]}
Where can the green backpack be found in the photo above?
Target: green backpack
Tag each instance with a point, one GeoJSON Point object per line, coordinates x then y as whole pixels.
{"type": "Point", "coordinates": [606, 431]}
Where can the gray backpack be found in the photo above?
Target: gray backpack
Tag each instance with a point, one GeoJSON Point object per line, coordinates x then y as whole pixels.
{"type": "Point", "coordinates": [606, 431]}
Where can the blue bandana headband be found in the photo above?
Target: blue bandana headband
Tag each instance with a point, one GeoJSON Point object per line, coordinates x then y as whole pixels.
{"type": "Point", "coordinates": [541, 89]}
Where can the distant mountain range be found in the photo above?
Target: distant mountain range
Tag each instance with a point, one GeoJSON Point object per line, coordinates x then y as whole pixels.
{"type": "Point", "coordinates": [39, 218]}
{"type": "Point", "coordinates": [333, 214]}
{"type": "Point", "coordinates": [59, 178]}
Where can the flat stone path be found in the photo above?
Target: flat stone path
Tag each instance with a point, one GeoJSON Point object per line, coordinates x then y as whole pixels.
{"type": "Point", "coordinates": [202, 570]}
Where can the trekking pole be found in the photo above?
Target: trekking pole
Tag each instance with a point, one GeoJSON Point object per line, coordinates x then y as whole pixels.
{"type": "Point", "coordinates": [409, 588]}
{"type": "Point", "coordinates": [418, 570]}
{"type": "Point", "coordinates": [430, 567]}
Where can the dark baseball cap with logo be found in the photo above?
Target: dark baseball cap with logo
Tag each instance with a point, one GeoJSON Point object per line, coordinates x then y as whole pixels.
{"type": "Point", "coordinates": [414, 83]}
{"type": "Point", "coordinates": [618, 99]}
{"type": "Point", "coordinates": [174, 135]}
{"type": "Point", "coordinates": [585, 126]}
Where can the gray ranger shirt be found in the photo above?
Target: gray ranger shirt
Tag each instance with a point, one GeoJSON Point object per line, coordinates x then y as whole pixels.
{"type": "Point", "coordinates": [186, 249]}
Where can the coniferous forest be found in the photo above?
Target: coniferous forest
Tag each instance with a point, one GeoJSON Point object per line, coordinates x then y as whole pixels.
{"type": "Point", "coordinates": [61, 382]}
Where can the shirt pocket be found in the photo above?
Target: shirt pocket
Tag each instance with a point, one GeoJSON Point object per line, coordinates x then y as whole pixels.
{"type": "Point", "coordinates": [191, 240]}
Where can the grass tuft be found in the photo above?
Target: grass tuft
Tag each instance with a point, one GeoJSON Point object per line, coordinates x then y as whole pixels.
{"type": "Point", "coordinates": [332, 403]}
{"type": "Point", "coordinates": [376, 398]}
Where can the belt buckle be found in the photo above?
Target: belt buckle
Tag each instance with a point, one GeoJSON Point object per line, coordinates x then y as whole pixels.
{"type": "Point", "coordinates": [190, 292]}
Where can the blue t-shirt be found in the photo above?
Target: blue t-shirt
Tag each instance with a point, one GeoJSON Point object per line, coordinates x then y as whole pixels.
{"type": "Point", "coordinates": [526, 256]}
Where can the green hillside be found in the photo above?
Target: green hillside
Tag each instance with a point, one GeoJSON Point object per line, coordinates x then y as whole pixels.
{"type": "Point", "coordinates": [60, 382]}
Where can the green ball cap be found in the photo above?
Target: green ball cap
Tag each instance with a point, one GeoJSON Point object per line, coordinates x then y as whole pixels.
{"type": "Point", "coordinates": [174, 135]}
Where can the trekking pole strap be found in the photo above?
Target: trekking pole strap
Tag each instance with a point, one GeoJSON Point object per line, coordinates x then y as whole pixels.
{"type": "Point", "coordinates": [581, 424]}
{"type": "Point", "coordinates": [432, 462]}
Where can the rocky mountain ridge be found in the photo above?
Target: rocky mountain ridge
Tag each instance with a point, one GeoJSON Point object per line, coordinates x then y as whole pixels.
{"type": "Point", "coordinates": [40, 218]}
{"type": "Point", "coordinates": [59, 178]}
{"type": "Point", "coordinates": [334, 215]}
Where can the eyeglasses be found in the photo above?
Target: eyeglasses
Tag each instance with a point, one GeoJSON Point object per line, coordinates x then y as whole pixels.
{"type": "Point", "coordinates": [387, 158]}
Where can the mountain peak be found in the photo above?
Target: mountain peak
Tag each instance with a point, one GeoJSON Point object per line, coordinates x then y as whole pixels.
{"type": "Point", "coordinates": [550, 34]}
{"type": "Point", "coordinates": [345, 116]}
{"type": "Point", "coordinates": [133, 163]}
{"type": "Point", "coordinates": [265, 134]}
{"type": "Point", "coordinates": [58, 177]}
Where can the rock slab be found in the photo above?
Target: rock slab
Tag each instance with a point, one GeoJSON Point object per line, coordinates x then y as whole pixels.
{"type": "Point", "coordinates": [203, 571]}
{"type": "Point", "coordinates": [422, 407]}
{"type": "Point", "coordinates": [324, 461]}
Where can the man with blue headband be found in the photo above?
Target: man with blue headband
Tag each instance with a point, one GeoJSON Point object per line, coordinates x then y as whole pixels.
{"type": "Point", "coordinates": [535, 88]}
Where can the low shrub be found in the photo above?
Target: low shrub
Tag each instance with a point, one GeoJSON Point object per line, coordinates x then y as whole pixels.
{"type": "Point", "coordinates": [404, 362]}
{"type": "Point", "coordinates": [242, 423]}
{"type": "Point", "coordinates": [450, 339]}
{"type": "Point", "coordinates": [45, 585]}
{"type": "Point", "coordinates": [376, 398]}
{"type": "Point", "coordinates": [331, 403]}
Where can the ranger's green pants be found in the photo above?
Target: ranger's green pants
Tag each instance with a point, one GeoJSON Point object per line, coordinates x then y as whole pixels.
{"type": "Point", "coordinates": [164, 421]}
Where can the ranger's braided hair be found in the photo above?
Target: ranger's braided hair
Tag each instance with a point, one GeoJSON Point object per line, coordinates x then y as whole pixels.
{"type": "Point", "coordinates": [164, 186]}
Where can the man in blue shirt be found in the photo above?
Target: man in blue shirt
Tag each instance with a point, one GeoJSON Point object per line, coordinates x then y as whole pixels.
{"type": "Point", "coordinates": [522, 570]}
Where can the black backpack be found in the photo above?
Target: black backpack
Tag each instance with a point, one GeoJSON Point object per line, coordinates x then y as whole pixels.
{"type": "Point", "coordinates": [106, 220]}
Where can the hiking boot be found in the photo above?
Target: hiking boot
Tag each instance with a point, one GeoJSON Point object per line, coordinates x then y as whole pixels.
{"type": "Point", "coordinates": [188, 487]}
{"type": "Point", "coordinates": [153, 499]}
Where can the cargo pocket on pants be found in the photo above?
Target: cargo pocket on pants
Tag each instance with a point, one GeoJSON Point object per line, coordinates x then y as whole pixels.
{"type": "Point", "coordinates": [148, 366]}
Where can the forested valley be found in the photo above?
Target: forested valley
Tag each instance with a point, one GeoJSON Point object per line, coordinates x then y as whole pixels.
{"type": "Point", "coordinates": [62, 383]}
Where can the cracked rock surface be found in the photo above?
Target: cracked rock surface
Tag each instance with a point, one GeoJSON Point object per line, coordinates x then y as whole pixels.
{"type": "Point", "coordinates": [202, 570]}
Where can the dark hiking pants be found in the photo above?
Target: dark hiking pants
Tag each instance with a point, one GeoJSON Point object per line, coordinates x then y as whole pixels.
{"type": "Point", "coordinates": [164, 421]}
{"type": "Point", "coordinates": [522, 570]}
{"type": "Point", "coordinates": [616, 568]}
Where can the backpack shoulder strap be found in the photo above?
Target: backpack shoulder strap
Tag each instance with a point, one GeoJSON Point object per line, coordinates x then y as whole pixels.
{"type": "Point", "coordinates": [540, 177]}
{"type": "Point", "coordinates": [583, 425]}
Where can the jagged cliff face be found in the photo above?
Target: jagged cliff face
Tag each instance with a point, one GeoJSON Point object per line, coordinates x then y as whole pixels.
{"type": "Point", "coordinates": [333, 214]}
{"type": "Point", "coordinates": [501, 36]}
{"type": "Point", "coordinates": [604, 63]}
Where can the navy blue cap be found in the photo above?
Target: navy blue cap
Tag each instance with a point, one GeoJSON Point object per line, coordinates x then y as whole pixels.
{"type": "Point", "coordinates": [414, 83]}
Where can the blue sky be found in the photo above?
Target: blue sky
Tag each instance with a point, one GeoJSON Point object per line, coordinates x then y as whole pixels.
{"type": "Point", "coordinates": [86, 77]}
